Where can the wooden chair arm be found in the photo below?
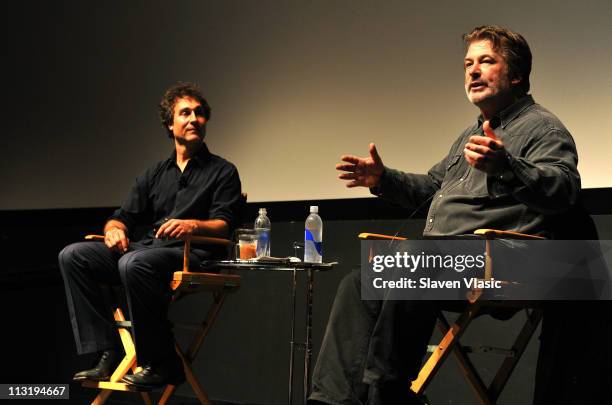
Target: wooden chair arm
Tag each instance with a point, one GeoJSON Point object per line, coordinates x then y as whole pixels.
{"type": "Point", "coordinates": [194, 239]}
{"type": "Point", "coordinates": [377, 236]}
{"type": "Point", "coordinates": [487, 233]}
{"type": "Point", "coordinates": [188, 241]}
{"type": "Point", "coordinates": [497, 234]}
{"type": "Point", "coordinates": [189, 282]}
{"type": "Point", "coordinates": [211, 241]}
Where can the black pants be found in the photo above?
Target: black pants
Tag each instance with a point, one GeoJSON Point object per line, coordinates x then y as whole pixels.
{"type": "Point", "coordinates": [371, 349]}
{"type": "Point", "coordinates": [145, 273]}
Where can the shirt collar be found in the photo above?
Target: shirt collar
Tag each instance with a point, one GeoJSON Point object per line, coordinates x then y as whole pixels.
{"type": "Point", "coordinates": [200, 157]}
{"type": "Point", "coordinates": [509, 113]}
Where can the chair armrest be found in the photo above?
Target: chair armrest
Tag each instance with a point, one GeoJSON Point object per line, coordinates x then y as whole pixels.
{"type": "Point", "coordinates": [377, 236]}
{"type": "Point", "coordinates": [497, 234]}
{"type": "Point", "coordinates": [187, 249]}
{"type": "Point", "coordinates": [211, 241]}
{"type": "Point", "coordinates": [194, 239]}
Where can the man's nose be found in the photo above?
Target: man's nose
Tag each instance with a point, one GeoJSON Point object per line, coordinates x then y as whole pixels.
{"type": "Point", "coordinates": [193, 117]}
{"type": "Point", "coordinates": [474, 70]}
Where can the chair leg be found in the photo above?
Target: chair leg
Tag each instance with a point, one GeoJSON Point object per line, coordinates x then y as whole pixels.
{"type": "Point", "coordinates": [188, 357]}
{"type": "Point", "coordinates": [146, 398]}
{"type": "Point", "coordinates": [191, 379]}
{"type": "Point", "coordinates": [486, 395]}
{"type": "Point", "coordinates": [436, 359]}
{"type": "Point", "coordinates": [210, 319]}
{"type": "Point", "coordinates": [469, 371]}
{"type": "Point", "coordinates": [101, 397]}
{"type": "Point", "coordinates": [168, 391]}
{"type": "Point", "coordinates": [520, 344]}
{"type": "Point", "coordinates": [128, 362]}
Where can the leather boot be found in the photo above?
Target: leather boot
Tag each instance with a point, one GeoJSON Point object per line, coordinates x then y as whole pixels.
{"type": "Point", "coordinates": [158, 375]}
{"type": "Point", "coordinates": [103, 370]}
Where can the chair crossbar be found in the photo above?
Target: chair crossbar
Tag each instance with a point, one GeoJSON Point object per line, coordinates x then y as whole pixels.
{"type": "Point", "coordinates": [220, 285]}
{"type": "Point", "coordinates": [487, 395]}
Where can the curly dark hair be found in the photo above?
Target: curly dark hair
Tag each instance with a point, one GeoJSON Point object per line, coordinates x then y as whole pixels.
{"type": "Point", "coordinates": [511, 45]}
{"type": "Point", "coordinates": [180, 90]}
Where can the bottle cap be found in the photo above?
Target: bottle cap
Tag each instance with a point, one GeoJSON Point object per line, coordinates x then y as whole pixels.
{"type": "Point", "coordinates": [262, 211]}
{"type": "Point", "coordinates": [314, 209]}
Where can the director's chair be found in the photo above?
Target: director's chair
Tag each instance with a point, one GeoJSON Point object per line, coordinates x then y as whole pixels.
{"type": "Point", "coordinates": [477, 305]}
{"type": "Point", "coordinates": [184, 282]}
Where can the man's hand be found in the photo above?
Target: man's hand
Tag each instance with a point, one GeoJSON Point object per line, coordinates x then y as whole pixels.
{"type": "Point", "coordinates": [115, 239]}
{"type": "Point", "coordinates": [176, 229]}
{"type": "Point", "coordinates": [486, 153]}
{"type": "Point", "coordinates": [361, 172]}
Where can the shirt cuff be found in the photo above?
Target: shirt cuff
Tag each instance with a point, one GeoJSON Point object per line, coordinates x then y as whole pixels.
{"type": "Point", "coordinates": [382, 183]}
{"type": "Point", "coordinates": [505, 182]}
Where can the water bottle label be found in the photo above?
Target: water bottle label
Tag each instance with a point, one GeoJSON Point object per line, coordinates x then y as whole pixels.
{"type": "Point", "coordinates": [263, 235]}
{"type": "Point", "coordinates": [317, 245]}
{"type": "Point", "coordinates": [263, 242]}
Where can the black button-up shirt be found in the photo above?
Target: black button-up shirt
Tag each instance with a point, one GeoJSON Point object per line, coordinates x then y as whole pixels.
{"type": "Point", "coordinates": [208, 188]}
{"type": "Point", "coordinates": [542, 156]}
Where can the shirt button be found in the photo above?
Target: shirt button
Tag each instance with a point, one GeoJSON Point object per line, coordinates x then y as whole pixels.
{"type": "Point", "coordinates": [430, 220]}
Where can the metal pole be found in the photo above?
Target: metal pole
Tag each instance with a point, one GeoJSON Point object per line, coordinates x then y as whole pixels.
{"type": "Point", "coordinates": [291, 354]}
{"type": "Point", "coordinates": [308, 345]}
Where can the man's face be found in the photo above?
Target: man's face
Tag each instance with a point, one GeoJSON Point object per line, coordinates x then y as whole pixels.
{"type": "Point", "coordinates": [188, 123]}
{"type": "Point", "coordinates": [487, 83]}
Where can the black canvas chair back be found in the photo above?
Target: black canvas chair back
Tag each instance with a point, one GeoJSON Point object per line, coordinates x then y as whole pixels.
{"type": "Point", "coordinates": [575, 359]}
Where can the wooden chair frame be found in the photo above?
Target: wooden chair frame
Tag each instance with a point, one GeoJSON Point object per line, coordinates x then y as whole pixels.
{"type": "Point", "coordinates": [184, 282]}
{"type": "Point", "coordinates": [452, 333]}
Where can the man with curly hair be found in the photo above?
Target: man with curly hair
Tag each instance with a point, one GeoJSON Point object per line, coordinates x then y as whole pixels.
{"type": "Point", "coordinates": [191, 192]}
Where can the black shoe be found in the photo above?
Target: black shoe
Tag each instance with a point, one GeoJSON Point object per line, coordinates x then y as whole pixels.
{"type": "Point", "coordinates": [157, 376]}
{"type": "Point", "coordinates": [102, 371]}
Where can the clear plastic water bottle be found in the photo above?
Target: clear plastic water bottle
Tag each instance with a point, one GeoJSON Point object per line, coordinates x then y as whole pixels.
{"type": "Point", "coordinates": [313, 237]}
{"type": "Point", "coordinates": [263, 227]}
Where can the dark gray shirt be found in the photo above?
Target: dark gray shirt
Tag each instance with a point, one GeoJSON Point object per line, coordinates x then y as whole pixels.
{"type": "Point", "coordinates": [542, 156]}
{"type": "Point", "coordinates": [208, 188]}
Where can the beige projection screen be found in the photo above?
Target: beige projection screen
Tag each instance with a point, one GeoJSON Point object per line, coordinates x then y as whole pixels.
{"type": "Point", "coordinates": [293, 85]}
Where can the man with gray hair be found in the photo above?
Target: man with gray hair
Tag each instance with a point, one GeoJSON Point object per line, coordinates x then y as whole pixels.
{"type": "Point", "coordinates": [513, 169]}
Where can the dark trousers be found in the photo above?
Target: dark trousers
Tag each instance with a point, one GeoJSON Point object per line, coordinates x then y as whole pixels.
{"type": "Point", "coordinates": [371, 349]}
{"type": "Point", "coordinates": [145, 273]}
{"type": "Point", "coordinates": [575, 360]}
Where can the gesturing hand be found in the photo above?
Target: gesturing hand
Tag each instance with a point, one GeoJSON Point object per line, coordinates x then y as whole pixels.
{"type": "Point", "coordinates": [176, 229]}
{"type": "Point", "coordinates": [361, 172]}
{"type": "Point", "coordinates": [115, 239]}
{"type": "Point", "coordinates": [486, 153]}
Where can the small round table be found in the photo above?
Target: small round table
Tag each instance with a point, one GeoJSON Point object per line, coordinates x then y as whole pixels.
{"type": "Point", "coordinates": [294, 268]}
